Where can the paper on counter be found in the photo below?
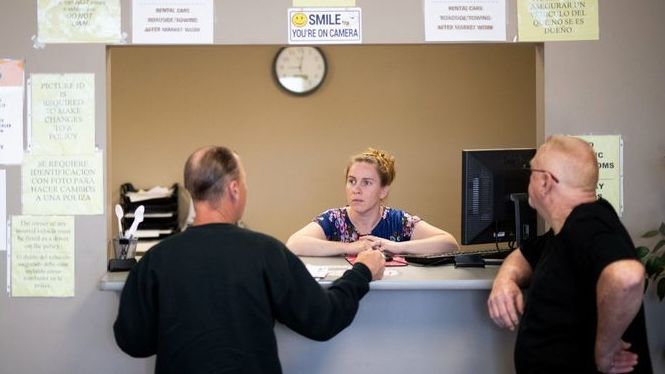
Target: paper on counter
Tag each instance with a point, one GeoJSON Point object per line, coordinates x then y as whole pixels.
{"type": "Point", "coordinates": [318, 272]}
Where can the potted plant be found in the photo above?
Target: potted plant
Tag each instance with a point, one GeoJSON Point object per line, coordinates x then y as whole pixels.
{"type": "Point", "coordinates": [654, 260]}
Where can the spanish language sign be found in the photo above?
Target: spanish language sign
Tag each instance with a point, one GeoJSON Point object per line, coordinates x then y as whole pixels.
{"type": "Point", "coordinates": [11, 111]}
{"type": "Point", "coordinates": [609, 151]}
{"type": "Point", "coordinates": [172, 22]}
{"type": "Point", "coordinates": [325, 26]}
{"type": "Point", "coordinates": [468, 20]}
{"type": "Point", "coordinates": [63, 184]}
{"type": "Point", "coordinates": [78, 21]}
{"type": "Point", "coordinates": [63, 113]}
{"type": "Point", "coordinates": [42, 256]}
{"type": "Point", "coordinates": [549, 20]}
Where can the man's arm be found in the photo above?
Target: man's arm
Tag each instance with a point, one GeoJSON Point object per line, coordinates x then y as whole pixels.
{"type": "Point", "coordinates": [618, 299]}
{"type": "Point", "coordinates": [506, 303]}
{"type": "Point", "coordinates": [317, 313]}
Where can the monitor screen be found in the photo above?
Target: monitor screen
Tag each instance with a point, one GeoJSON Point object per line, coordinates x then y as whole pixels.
{"type": "Point", "coordinates": [495, 206]}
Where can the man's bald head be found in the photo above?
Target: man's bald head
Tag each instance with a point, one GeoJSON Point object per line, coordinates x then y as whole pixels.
{"type": "Point", "coordinates": [572, 160]}
{"type": "Point", "coordinates": [208, 171]}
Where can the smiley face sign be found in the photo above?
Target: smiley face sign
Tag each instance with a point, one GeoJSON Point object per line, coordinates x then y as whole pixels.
{"type": "Point", "coordinates": [299, 19]}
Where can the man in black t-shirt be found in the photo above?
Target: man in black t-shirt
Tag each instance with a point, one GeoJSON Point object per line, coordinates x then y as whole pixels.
{"type": "Point", "coordinates": [206, 300]}
{"type": "Point", "coordinates": [583, 310]}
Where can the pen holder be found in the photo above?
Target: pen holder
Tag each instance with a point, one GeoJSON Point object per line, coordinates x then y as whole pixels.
{"type": "Point", "coordinates": [124, 250]}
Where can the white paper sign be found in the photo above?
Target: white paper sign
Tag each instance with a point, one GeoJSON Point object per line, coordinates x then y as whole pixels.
{"type": "Point", "coordinates": [11, 111]}
{"type": "Point", "coordinates": [172, 22]}
{"type": "Point", "coordinates": [325, 26]}
{"type": "Point", "coordinates": [3, 210]}
{"type": "Point", "coordinates": [63, 184]}
{"type": "Point", "coordinates": [465, 20]}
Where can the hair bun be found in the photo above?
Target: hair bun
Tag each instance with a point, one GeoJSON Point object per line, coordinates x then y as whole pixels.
{"type": "Point", "coordinates": [385, 163]}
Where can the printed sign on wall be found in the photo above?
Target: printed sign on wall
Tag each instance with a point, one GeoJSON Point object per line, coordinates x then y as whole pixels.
{"type": "Point", "coordinates": [172, 22]}
{"type": "Point", "coordinates": [609, 151]}
{"type": "Point", "coordinates": [78, 21]}
{"type": "Point", "coordinates": [550, 20]}
{"type": "Point", "coordinates": [11, 111]}
{"type": "Point", "coordinates": [325, 26]}
{"type": "Point", "coordinates": [63, 184]}
{"type": "Point", "coordinates": [63, 113]}
{"type": "Point", "coordinates": [465, 20]}
{"type": "Point", "coordinates": [42, 256]}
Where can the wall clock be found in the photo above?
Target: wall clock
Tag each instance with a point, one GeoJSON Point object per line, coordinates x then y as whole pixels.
{"type": "Point", "coordinates": [299, 70]}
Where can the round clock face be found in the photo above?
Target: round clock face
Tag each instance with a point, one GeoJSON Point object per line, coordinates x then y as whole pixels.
{"type": "Point", "coordinates": [299, 70]}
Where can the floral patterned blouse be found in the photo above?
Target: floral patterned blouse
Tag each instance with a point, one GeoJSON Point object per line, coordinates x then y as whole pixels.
{"type": "Point", "coordinates": [395, 225]}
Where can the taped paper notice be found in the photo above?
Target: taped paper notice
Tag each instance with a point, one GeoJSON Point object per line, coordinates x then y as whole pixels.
{"type": "Point", "coordinates": [42, 256]}
{"type": "Point", "coordinates": [609, 151]}
{"type": "Point", "coordinates": [11, 111]}
{"type": "Point", "coordinates": [78, 21]}
{"type": "Point", "coordinates": [551, 20]}
{"type": "Point", "coordinates": [63, 184]}
{"type": "Point", "coordinates": [63, 113]}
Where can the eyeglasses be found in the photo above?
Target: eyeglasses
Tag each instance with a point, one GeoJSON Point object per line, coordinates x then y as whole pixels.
{"type": "Point", "coordinates": [531, 170]}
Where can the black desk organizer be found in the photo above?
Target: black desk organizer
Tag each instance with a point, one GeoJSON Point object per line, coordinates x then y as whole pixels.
{"type": "Point", "coordinates": [125, 264]}
{"type": "Point", "coordinates": [158, 205]}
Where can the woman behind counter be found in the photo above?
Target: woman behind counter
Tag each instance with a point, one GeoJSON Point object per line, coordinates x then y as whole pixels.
{"type": "Point", "coordinates": [365, 222]}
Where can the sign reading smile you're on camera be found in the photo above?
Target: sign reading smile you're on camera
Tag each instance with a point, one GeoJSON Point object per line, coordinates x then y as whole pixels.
{"type": "Point", "coordinates": [325, 26]}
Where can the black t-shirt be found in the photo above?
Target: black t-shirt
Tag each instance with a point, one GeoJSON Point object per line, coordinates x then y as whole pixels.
{"type": "Point", "coordinates": [205, 301]}
{"type": "Point", "coordinates": [558, 329]}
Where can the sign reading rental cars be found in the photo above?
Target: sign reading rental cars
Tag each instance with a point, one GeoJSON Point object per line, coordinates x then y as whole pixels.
{"type": "Point", "coordinates": [325, 26]}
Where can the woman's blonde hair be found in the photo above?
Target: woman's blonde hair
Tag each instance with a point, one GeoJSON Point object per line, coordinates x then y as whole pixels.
{"type": "Point", "coordinates": [384, 162]}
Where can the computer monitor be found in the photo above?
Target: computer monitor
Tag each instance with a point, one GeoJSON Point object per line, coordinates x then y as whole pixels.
{"type": "Point", "coordinates": [495, 205]}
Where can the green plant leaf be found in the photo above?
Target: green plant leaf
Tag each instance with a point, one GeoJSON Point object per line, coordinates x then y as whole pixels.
{"type": "Point", "coordinates": [651, 267]}
{"type": "Point", "coordinates": [659, 265]}
{"type": "Point", "coordinates": [658, 246]}
{"type": "Point", "coordinates": [642, 252]}
{"type": "Point", "coordinates": [650, 234]}
{"type": "Point", "coordinates": [660, 289]}
{"type": "Point", "coordinates": [662, 228]}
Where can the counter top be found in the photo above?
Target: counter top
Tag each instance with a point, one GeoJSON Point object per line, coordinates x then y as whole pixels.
{"type": "Point", "coordinates": [410, 277]}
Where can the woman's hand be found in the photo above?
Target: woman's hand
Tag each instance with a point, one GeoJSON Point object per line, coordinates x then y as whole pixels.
{"type": "Point", "coordinates": [362, 244]}
{"type": "Point", "coordinates": [384, 245]}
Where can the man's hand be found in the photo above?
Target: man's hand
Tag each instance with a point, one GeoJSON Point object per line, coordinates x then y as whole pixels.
{"type": "Point", "coordinates": [374, 261]}
{"type": "Point", "coordinates": [506, 304]}
{"type": "Point", "coordinates": [619, 360]}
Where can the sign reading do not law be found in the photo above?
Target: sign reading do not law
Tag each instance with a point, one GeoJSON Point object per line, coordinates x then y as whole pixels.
{"type": "Point", "coordinates": [324, 26]}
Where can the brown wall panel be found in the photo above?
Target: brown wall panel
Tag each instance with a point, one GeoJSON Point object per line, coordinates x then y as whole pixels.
{"type": "Point", "coordinates": [423, 104]}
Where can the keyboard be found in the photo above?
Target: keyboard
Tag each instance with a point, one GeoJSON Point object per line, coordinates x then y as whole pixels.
{"type": "Point", "coordinates": [494, 255]}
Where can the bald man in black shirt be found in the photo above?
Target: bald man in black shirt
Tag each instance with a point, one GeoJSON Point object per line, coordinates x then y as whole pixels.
{"type": "Point", "coordinates": [583, 311]}
{"type": "Point", "coordinates": [206, 300]}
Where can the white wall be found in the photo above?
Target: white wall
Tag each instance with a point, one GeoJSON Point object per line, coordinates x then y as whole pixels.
{"type": "Point", "coordinates": [615, 85]}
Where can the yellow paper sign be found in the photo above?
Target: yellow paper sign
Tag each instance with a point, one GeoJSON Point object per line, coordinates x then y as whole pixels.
{"type": "Point", "coordinates": [63, 184]}
{"type": "Point", "coordinates": [78, 21]}
{"type": "Point", "coordinates": [63, 113]}
{"type": "Point", "coordinates": [42, 256]}
{"type": "Point", "coordinates": [550, 20]}
{"type": "Point", "coordinates": [608, 150]}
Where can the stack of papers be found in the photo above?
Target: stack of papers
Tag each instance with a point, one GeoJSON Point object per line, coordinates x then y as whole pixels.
{"type": "Point", "coordinates": [153, 193]}
{"type": "Point", "coordinates": [318, 272]}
